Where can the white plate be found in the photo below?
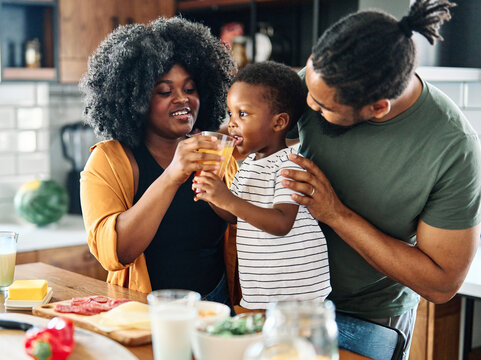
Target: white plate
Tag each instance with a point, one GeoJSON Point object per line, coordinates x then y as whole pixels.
{"type": "Point", "coordinates": [88, 345]}
{"type": "Point", "coordinates": [26, 304]}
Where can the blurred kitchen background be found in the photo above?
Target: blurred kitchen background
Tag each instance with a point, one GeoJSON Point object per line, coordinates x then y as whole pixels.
{"type": "Point", "coordinates": [44, 49]}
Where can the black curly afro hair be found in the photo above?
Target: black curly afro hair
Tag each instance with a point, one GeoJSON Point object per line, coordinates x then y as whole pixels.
{"type": "Point", "coordinates": [121, 76]}
{"type": "Point", "coordinates": [286, 92]}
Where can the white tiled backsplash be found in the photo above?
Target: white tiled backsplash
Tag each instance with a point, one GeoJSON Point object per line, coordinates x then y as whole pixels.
{"type": "Point", "coordinates": [31, 115]}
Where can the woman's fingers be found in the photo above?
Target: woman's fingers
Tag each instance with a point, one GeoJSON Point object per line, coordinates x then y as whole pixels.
{"type": "Point", "coordinates": [198, 142]}
{"type": "Point", "coordinates": [200, 149]}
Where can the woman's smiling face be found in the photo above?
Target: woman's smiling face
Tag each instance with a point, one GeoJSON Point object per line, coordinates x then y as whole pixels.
{"type": "Point", "coordinates": [174, 104]}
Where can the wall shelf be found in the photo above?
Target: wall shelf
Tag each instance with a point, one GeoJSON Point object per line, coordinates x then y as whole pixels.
{"type": "Point", "coordinates": [283, 21]}
{"type": "Point", "coordinates": [29, 73]}
{"type": "Point", "coordinates": [22, 21]}
{"type": "Point", "coordinates": [183, 5]}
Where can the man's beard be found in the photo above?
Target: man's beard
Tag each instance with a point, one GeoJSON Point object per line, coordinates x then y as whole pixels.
{"type": "Point", "coordinates": [333, 130]}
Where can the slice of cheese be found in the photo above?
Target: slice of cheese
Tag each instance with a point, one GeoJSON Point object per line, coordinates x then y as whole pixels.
{"type": "Point", "coordinates": [27, 290]}
{"type": "Point", "coordinates": [130, 315]}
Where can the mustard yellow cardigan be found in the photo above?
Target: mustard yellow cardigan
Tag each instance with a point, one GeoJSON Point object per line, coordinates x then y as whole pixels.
{"type": "Point", "coordinates": [107, 190]}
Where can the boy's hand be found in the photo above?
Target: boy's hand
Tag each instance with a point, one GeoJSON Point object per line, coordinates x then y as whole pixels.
{"type": "Point", "coordinates": [213, 189]}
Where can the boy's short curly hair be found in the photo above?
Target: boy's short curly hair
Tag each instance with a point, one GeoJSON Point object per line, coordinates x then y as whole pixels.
{"type": "Point", "coordinates": [286, 92]}
{"type": "Point", "coordinates": [121, 76]}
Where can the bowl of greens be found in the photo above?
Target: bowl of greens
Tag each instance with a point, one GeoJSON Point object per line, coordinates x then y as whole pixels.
{"type": "Point", "coordinates": [229, 338]}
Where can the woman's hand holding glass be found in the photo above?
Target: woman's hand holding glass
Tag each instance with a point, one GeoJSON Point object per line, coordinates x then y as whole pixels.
{"type": "Point", "coordinates": [187, 158]}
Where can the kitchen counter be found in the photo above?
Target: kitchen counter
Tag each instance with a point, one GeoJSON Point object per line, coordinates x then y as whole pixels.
{"type": "Point", "coordinates": [68, 231]}
{"type": "Point", "coordinates": [442, 73]}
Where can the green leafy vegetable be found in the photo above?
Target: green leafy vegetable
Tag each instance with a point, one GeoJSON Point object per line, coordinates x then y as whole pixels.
{"type": "Point", "coordinates": [239, 325]}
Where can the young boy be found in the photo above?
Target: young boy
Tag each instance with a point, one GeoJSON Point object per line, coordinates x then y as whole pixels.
{"type": "Point", "coordinates": [281, 249]}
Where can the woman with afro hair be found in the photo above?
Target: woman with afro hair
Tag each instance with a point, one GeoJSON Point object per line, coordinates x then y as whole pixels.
{"type": "Point", "coordinates": [147, 88]}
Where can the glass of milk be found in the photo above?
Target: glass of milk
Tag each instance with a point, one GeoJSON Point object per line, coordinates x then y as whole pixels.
{"type": "Point", "coordinates": [8, 252]}
{"type": "Point", "coordinates": [172, 314]}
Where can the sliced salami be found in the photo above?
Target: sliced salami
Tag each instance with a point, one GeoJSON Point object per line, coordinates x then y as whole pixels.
{"type": "Point", "coordinates": [100, 299]}
{"type": "Point", "coordinates": [80, 300]}
{"type": "Point", "coordinates": [89, 305]}
{"type": "Point", "coordinates": [66, 308]}
{"type": "Point", "coordinates": [116, 302]}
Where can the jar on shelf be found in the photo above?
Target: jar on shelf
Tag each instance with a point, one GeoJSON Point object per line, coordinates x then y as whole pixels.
{"type": "Point", "coordinates": [239, 51]}
{"type": "Point", "coordinates": [304, 330]}
{"type": "Point", "coordinates": [32, 53]}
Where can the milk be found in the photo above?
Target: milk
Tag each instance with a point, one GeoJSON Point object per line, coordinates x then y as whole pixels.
{"type": "Point", "coordinates": [172, 327]}
{"type": "Point", "coordinates": [7, 268]}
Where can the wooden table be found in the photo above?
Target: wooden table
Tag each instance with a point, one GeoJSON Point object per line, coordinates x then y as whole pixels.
{"type": "Point", "coordinates": [66, 285]}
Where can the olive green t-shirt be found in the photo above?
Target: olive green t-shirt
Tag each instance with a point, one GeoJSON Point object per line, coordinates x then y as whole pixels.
{"type": "Point", "coordinates": [423, 164]}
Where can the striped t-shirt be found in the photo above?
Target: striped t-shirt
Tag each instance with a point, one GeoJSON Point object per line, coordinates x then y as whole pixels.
{"type": "Point", "coordinates": [277, 268]}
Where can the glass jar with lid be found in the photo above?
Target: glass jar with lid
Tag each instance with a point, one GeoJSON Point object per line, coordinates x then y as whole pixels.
{"type": "Point", "coordinates": [294, 330]}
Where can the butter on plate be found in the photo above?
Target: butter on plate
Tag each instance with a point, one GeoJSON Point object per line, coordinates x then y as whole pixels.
{"type": "Point", "coordinates": [29, 290]}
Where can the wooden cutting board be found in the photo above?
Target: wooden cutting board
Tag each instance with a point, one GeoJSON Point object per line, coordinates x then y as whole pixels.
{"type": "Point", "coordinates": [129, 337]}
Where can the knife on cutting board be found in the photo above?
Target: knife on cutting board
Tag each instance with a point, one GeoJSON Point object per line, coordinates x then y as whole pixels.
{"type": "Point", "coordinates": [15, 325]}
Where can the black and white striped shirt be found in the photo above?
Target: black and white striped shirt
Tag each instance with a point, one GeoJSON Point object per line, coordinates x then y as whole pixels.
{"type": "Point", "coordinates": [276, 268]}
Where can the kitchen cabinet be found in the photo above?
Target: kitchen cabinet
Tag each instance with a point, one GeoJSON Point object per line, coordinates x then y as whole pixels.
{"type": "Point", "coordinates": [84, 24]}
{"type": "Point", "coordinates": [436, 333]}
{"type": "Point", "coordinates": [293, 26]}
{"type": "Point", "coordinates": [73, 258]}
{"type": "Point", "coordinates": [28, 42]}
{"type": "Point", "coordinates": [287, 25]}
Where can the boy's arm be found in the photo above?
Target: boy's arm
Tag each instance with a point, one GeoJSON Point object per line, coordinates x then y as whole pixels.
{"type": "Point", "coordinates": [276, 221]}
{"type": "Point", "coordinates": [223, 214]}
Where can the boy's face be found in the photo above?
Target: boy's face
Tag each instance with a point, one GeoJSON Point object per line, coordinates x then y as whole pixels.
{"type": "Point", "coordinates": [251, 119]}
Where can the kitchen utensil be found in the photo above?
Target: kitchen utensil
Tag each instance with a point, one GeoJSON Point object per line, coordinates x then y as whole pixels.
{"type": "Point", "coordinates": [15, 325]}
{"type": "Point", "coordinates": [77, 139]}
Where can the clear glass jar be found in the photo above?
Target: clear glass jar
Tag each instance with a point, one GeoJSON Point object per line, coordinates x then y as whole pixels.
{"type": "Point", "coordinates": [317, 323]}
{"type": "Point", "coordinates": [297, 330]}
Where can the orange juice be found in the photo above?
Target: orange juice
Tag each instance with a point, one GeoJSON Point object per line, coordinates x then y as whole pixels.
{"type": "Point", "coordinates": [227, 148]}
{"type": "Point", "coordinates": [8, 252]}
{"type": "Point", "coordinates": [226, 152]}
{"type": "Point", "coordinates": [7, 269]}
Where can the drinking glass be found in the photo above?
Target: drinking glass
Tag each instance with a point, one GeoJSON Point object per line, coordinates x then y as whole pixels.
{"type": "Point", "coordinates": [227, 143]}
{"type": "Point", "coordinates": [172, 314]}
{"type": "Point", "coordinates": [8, 252]}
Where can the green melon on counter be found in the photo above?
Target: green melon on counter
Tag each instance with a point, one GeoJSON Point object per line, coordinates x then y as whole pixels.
{"type": "Point", "coordinates": [41, 202]}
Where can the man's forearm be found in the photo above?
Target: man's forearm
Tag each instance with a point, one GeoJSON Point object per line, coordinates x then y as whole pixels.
{"type": "Point", "coordinates": [410, 265]}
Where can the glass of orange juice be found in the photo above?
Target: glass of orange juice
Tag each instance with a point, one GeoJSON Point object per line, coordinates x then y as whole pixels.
{"type": "Point", "coordinates": [227, 143]}
{"type": "Point", "coordinates": [8, 252]}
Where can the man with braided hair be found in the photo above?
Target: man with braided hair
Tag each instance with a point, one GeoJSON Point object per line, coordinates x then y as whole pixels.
{"type": "Point", "coordinates": [393, 168]}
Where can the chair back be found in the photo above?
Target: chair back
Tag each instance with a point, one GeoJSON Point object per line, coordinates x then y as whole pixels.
{"type": "Point", "coordinates": [368, 338]}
